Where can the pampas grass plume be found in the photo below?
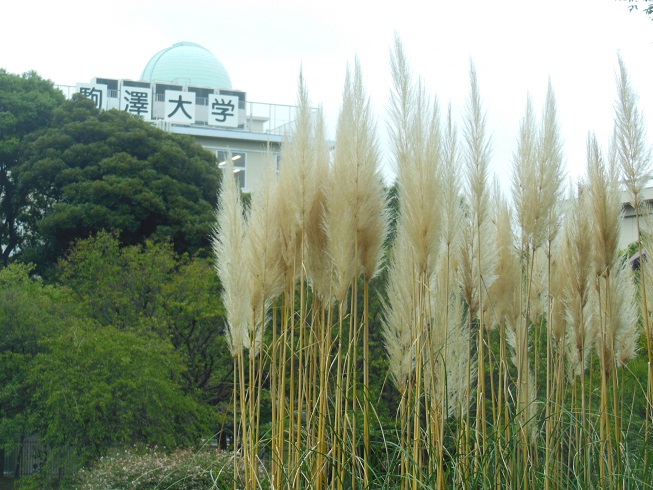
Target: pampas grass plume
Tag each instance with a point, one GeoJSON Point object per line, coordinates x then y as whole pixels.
{"type": "Point", "coordinates": [577, 293]}
{"type": "Point", "coordinates": [263, 244]}
{"type": "Point", "coordinates": [625, 329]}
{"type": "Point", "coordinates": [525, 181]}
{"type": "Point", "coordinates": [231, 262]}
{"type": "Point", "coordinates": [357, 201]}
{"type": "Point", "coordinates": [400, 315]}
{"type": "Point", "coordinates": [550, 166]}
{"type": "Point", "coordinates": [635, 158]}
{"type": "Point", "coordinates": [606, 208]}
{"type": "Point", "coordinates": [318, 263]}
{"type": "Point", "coordinates": [298, 185]}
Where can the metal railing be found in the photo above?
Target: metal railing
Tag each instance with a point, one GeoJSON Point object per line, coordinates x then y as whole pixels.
{"type": "Point", "coordinates": [30, 458]}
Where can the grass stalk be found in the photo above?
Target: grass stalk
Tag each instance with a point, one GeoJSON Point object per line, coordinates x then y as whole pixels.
{"type": "Point", "coordinates": [366, 381]}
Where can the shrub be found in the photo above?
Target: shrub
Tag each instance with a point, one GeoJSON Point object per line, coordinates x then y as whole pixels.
{"type": "Point", "coordinates": [181, 469]}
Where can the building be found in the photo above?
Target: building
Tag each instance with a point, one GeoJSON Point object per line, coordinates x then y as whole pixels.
{"type": "Point", "coordinates": [185, 89]}
{"type": "Point", "coordinates": [628, 220]}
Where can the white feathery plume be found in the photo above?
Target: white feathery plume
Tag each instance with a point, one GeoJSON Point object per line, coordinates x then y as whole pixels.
{"type": "Point", "coordinates": [504, 293]}
{"type": "Point", "coordinates": [371, 200]}
{"type": "Point", "coordinates": [341, 217]}
{"type": "Point", "coordinates": [458, 362]}
{"type": "Point", "coordinates": [449, 331]}
{"type": "Point", "coordinates": [550, 168]}
{"type": "Point", "coordinates": [402, 105]}
{"type": "Point", "coordinates": [452, 211]}
{"type": "Point", "coordinates": [606, 208]}
{"type": "Point", "coordinates": [297, 185]}
{"type": "Point", "coordinates": [357, 203]}
{"type": "Point", "coordinates": [577, 291]}
{"type": "Point", "coordinates": [525, 181]}
{"type": "Point", "coordinates": [479, 233]}
{"type": "Point", "coordinates": [419, 190]}
{"type": "Point", "coordinates": [318, 263]}
{"type": "Point", "coordinates": [537, 175]}
{"type": "Point", "coordinates": [634, 157]}
{"type": "Point", "coordinates": [477, 154]}
{"type": "Point", "coordinates": [416, 137]}
{"type": "Point", "coordinates": [581, 338]}
{"type": "Point", "coordinates": [625, 328]}
{"type": "Point", "coordinates": [400, 314]}
{"type": "Point", "coordinates": [231, 260]}
{"type": "Point", "coordinates": [414, 133]}
{"type": "Point", "coordinates": [263, 245]}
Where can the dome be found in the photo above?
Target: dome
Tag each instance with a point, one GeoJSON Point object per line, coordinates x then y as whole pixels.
{"type": "Point", "coordinates": [188, 64]}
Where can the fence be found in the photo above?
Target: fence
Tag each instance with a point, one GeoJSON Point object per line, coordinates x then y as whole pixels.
{"type": "Point", "coordinates": [31, 458]}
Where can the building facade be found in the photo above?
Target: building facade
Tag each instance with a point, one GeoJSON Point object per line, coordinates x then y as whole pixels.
{"type": "Point", "coordinates": [185, 89]}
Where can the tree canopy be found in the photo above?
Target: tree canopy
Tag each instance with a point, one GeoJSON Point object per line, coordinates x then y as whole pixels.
{"type": "Point", "coordinates": [93, 170]}
{"type": "Point", "coordinates": [27, 104]}
{"type": "Point", "coordinates": [68, 170]}
{"type": "Point", "coordinates": [150, 290]}
{"type": "Point", "coordinates": [29, 311]}
{"type": "Point", "coordinates": [85, 385]}
{"type": "Point", "coordinates": [98, 388]}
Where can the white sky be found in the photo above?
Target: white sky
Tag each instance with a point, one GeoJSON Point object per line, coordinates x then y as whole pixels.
{"type": "Point", "coordinates": [515, 45]}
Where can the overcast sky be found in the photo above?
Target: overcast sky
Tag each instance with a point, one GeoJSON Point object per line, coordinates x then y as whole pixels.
{"type": "Point", "coordinates": [515, 45]}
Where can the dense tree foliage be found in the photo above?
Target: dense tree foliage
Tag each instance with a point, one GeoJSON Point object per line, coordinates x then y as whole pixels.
{"type": "Point", "coordinates": [29, 312]}
{"type": "Point", "coordinates": [149, 290]}
{"type": "Point", "coordinates": [95, 170]}
{"type": "Point", "coordinates": [85, 386]}
{"type": "Point", "coordinates": [27, 104]}
{"type": "Point", "coordinates": [68, 170]}
{"type": "Point", "coordinates": [99, 388]}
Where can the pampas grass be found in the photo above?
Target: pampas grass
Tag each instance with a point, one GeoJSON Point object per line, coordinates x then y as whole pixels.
{"type": "Point", "coordinates": [417, 142]}
{"type": "Point", "coordinates": [231, 266]}
{"type": "Point", "coordinates": [229, 251]}
{"type": "Point", "coordinates": [356, 229]}
{"type": "Point", "coordinates": [509, 325]}
{"type": "Point", "coordinates": [635, 159]}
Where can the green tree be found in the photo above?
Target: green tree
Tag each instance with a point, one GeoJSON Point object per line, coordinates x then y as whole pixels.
{"type": "Point", "coordinates": [101, 388]}
{"type": "Point", "coordinates": [195, 323]}
{"type": "Point", "coordinates": [27, 104]}
{"type": "Point", "coordinates": [29, 311]}
{"type": "Point", "coordinates": [84, 386]}
{"type": "Point", "coordinates": [149, 289]}
{"type": "Point", "coordinates": [95, 170]}
{"type": "Point", "coordinates": [119, 286]}
{"type": "Point", "coordinates": [644, 5]}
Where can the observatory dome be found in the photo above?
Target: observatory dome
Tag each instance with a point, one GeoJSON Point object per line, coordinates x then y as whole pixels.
{"type": "Point", "coordinates": [188, 64]}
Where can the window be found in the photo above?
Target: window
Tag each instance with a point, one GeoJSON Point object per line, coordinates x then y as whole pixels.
{"type": "Point", "coordinates": [239, 160]}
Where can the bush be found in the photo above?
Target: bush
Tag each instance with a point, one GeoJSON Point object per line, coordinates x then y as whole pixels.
{"type": "Point", "coordinates": [181, 469]}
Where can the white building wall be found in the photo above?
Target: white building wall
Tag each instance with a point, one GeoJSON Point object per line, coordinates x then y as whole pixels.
{"type": "Point", "coordinates": [629, 223]}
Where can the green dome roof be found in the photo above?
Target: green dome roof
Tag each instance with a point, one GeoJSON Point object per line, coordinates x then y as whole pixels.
{"type": "Point", "coordinates": [188, 64]}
